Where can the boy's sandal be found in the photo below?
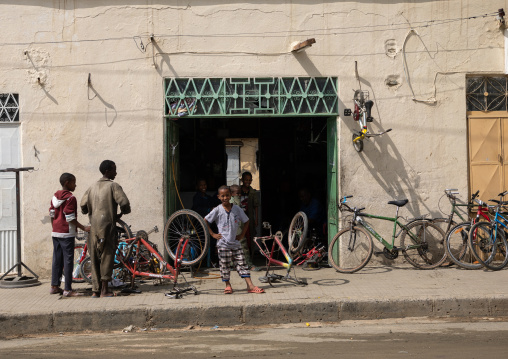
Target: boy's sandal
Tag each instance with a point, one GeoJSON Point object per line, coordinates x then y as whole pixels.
{"type": "Point", "coordinates": [96, 295]}
{"type": "Point", "coordinates": [228, 290]}
{"type": "Point", "coordinates": [256, 290]}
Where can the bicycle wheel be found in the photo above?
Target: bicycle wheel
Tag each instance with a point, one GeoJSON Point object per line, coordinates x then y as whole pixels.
{"type": "Point", "coordinates": [297, 232]}
{"type": "Point", "coordinates": [187, 224]}
{"type": "Point", "coordinates": [422, 243]}
{"type": "Point", "coordinates": [445, 225]}
{"type": "Point", "coordinates": [78, 253]}
{"type": "Point", "coordinates": [457, 247]}
{"type": "Point", "coordinates": [488, 245]}
{"type": "Point", "coordinates": [358, 145]}
{"type": "Point", "coordinates": [85, 269]}
{"type": "Point", "coordinates": [350, 250]}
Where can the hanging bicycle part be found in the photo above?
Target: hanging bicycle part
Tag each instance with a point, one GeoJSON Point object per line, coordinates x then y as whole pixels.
{"type": "Point", "coordinates": [363, 115]}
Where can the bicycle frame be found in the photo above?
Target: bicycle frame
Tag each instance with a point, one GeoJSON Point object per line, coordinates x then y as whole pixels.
{"type": "Point", "coordinates": [497, 221]}
{"type": "Point", "coordinates": [133, 267]}
{"type": "Point", "coordinates": [276, 242]}
{"type": "Point", "coordinates": [396, 224]}
{"type": "Point", "coordinates": [379, 238]}
{"type": "Point", "coordinates": [315, 251]}
{"type": "Point", "coordinates": [269, 255]}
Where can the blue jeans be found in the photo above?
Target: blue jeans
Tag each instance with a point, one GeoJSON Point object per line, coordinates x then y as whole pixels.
{"type": "Point", "coordinates": [63, 261]}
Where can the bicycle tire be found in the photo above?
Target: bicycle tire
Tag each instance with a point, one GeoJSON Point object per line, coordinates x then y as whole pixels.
{"type": "Point", "coordinates": [189, 224]}
{"type": "Point", "coordinates": [490, 252]}
{"type": "Point", "coordinates": [298, 232]}
{"type": "Point", "coordinates": [356, 255]}
{"type": "Point", "coordinates": [425, 247]}
{"type": "Point", "coordinates": [445, 224]}
{"type": "Point", "coordinates": [85, 269]}
{"type": "Point", "coordinates": [76, 272]}
{"type": "Point", "coordinates": [358, 144]}
{"type": "Point", "coordinates": [457, 247]}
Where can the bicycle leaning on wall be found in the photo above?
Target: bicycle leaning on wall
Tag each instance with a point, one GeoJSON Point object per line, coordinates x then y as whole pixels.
{"type": "Point", "coordinates": [421, 241]}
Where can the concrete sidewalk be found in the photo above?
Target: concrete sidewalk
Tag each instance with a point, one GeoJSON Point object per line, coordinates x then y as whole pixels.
{"type": "Point", "coordinates": [373, 293]}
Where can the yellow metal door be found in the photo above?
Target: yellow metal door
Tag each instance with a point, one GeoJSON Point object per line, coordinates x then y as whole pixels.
{"type": "Point", "coordinates": [486, 136]}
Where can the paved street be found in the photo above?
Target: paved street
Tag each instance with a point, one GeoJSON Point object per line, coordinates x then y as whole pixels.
{"type": "Point", "coordinates": [373, 293]}
{"type": "Point", "coordinates": [402, 338]}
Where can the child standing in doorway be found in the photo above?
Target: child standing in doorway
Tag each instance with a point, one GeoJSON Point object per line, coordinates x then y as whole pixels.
{"type": "Point", "coordinates": [228, 216]}
{"type": "Point", "coordinates": [249, 202]}
{"type": "Point", "coordinates": [235, 199]}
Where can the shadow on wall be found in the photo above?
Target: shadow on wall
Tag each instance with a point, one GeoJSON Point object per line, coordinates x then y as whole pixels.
{"type": "Point", "coordinates": [385, 163]}
{"type": "Point", "coordinates": [109, 123]}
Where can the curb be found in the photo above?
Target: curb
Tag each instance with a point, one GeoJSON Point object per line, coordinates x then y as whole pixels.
{"type": "Point", "coordinates": [250, 314]}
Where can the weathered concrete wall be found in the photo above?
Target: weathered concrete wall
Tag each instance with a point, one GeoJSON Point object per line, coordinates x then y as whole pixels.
{"type": "Point", "coordinates": [119, 117]}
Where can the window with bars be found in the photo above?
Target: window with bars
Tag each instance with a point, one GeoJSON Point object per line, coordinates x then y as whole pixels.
{"type": "Point", "coordinates": [487, 93]}
{"type": "Point", "coordinates": [287, 96]}
{"type": "Point", "coordinates": [9, 107]}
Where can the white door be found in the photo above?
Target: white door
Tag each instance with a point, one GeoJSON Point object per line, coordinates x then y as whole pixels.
{"type": "Point", "coordinates": [9, 157]}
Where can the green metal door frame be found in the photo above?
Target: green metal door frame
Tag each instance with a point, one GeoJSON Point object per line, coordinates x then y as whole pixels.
{"type": "Point", "coordinates": [332, 179]}
{"type": "Point", "coordinates": [251, 97]}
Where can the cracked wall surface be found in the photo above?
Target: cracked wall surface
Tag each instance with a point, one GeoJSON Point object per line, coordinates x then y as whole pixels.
{"type": "Point", "coordinates": [74, 125]}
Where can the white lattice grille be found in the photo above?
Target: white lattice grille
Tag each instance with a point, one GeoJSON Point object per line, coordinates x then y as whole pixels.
{"type": "Point", "coordinates": [9, 107]}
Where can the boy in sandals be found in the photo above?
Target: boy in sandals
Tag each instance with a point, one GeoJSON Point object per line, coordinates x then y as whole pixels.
{"type": "Point", "coordinates": [228, 216]}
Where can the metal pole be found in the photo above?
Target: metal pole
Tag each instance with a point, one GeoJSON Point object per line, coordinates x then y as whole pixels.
{"type": "Point", "coordinates": [19, 281]}
{"type": "Point", "coordinates": [18, 223]}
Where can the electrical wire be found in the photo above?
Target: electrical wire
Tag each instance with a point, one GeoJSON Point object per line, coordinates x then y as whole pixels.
{"type": "Point", "coordinates": [211, 276]}
{"type": "Point", "coordinates": [268, 34]}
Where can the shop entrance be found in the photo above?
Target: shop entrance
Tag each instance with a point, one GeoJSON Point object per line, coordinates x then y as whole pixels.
{"type": "Point", "coordinates": [292, 154]}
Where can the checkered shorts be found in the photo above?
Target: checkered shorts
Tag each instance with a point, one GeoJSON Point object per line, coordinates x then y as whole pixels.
{"type": "Point", "coordinates": [235, 256]}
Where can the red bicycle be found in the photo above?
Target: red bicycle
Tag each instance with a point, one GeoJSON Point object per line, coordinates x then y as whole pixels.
{"type": "Point", "coordinates": [140, 257]}
{"type": "Point", "coordinates": [457, 238]}
{"type": "Point", "coordinates": [297, 231]}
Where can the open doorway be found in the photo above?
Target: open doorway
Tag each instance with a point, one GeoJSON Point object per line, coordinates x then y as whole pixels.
{"type": "Point", "coordinates": [291, 155]}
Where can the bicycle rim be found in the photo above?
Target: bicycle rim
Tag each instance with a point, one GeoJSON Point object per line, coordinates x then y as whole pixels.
{"type": "Point", "coordinates": [423, 245]}
{"type": "Point", "coordinates": [457, 247]}
{"type": "Point", "coordinates": [298, 232]}
{"type": "Point", "coordinates": [488, 245]}
{"type": "Point", "coordinates": [187, 224]}
{"type": "Point", "coordinates": [350, 250]}
{"type": "Point", "coordinates": [358, 144]}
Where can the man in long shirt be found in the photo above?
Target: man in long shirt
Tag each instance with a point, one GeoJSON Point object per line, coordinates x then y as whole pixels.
{"type": "Point", "coordinates": [101, 203]}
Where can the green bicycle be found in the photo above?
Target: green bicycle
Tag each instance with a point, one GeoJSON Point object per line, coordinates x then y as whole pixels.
{"type": "Point", "coordinates": [421, 241]}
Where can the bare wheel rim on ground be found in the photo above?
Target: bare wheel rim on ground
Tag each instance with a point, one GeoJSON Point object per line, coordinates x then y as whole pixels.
{"type": "Point", "coordinates": [298, 232]}
{"type": "Point", "coordinates": [187, 224]}
{"type": "Point", "coordinates": [424, 248]}
{"type": "Point", "coordinates": [350, 250]}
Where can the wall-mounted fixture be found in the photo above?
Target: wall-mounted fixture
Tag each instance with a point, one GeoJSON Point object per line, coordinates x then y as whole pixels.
{"type": "Point", "coordinates": [302, 45]}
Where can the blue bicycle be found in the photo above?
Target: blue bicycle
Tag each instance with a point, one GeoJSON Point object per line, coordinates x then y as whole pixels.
{"type": "Point", "coordinates": [487, 240]}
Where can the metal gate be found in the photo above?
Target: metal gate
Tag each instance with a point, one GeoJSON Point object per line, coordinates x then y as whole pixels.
{"type": "Point", "coordinates": [9, 157]}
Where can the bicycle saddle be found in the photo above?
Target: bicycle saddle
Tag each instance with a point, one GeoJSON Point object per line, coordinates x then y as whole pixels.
{"type": "Point", "coordinates": [399, 203]}
{"type": "Point", "coordinates": [368, 107]}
